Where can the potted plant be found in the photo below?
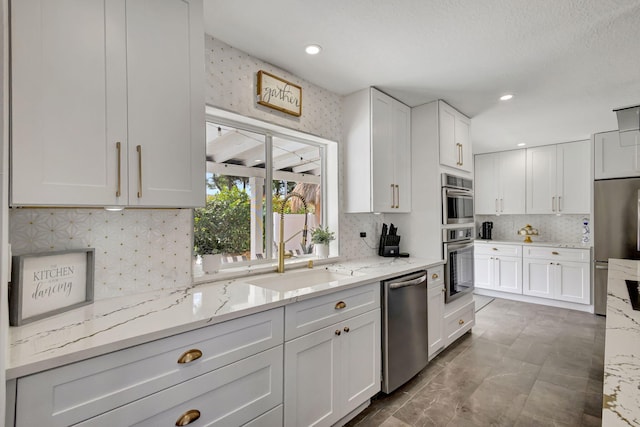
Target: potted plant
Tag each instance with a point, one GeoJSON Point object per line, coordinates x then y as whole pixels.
{"type": "Point", "coordinates": [205, 243]}
{"type": "Point", "coordinates": [321, 237]}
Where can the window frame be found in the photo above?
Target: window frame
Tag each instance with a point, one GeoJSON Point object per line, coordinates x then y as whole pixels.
{"type": "Point", "coordinates": [329, 184]}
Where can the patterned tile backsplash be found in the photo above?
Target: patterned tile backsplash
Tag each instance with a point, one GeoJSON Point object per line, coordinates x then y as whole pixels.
{"type": "Point", "coordinates": [136, 249]}
{"type": "Point", "coordinates": [143, 249]}
{"type": "Point", "coordinates": [551, 228]}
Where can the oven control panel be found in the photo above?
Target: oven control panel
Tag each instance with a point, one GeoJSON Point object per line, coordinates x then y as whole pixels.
{"type": "Point", "coordinates": [457, 234]}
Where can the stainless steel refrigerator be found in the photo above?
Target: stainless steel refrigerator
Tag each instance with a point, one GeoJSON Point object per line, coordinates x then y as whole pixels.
{"type": "Point", "coordinates": [616, 224]}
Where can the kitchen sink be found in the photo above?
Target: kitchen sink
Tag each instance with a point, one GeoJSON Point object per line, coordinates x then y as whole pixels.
{"type": "Point", "coordinates": [291, 281]}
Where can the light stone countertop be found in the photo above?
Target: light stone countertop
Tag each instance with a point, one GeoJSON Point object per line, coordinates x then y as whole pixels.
{"type": "Point", "coordinates": [116, 323]}
{"type": "Point", "coordinates": [549, 244]}
{"type": "Point", "coordinates": [621, 403]}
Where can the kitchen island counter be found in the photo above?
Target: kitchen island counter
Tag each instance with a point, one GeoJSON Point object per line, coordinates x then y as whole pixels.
{"type": "Point", "coordinates": [116, 323]}
{"type": "Point", "coordinates": [621, 402]}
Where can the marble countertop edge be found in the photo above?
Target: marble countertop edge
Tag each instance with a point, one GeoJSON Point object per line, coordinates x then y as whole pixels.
{"type": "Point", "coordinates": [117, 323]}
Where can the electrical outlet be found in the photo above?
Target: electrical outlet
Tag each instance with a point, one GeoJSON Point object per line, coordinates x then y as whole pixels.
{"type": "Point", "coordinates": [363, 234]}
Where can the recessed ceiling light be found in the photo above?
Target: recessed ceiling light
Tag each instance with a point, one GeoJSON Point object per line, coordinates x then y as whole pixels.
{"type": "Point", "coordinates": [313, 49]}
{"type": "Point", "coordinates": [522, 144]}
{"type": "Point", "coordinates": [506, 97]}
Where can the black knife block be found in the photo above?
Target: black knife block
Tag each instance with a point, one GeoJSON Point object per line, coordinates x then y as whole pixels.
{"type": "Point", "coordinates": [389, 246]}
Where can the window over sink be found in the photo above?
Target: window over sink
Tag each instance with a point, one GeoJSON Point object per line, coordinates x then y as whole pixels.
{"type": "Point", "coordinates": [251, 166]}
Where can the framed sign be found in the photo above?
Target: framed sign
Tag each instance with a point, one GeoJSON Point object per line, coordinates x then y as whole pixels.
{"type": "Point", "coordinates": [279, 94]}
{"type": "Point", "coordinates": [49, 283]}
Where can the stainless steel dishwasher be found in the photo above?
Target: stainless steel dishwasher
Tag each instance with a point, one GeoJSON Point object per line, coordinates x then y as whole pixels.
{"type": "Point", "coordinates": [405, 345]}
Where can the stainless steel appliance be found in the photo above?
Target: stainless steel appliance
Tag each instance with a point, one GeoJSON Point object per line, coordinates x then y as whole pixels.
{"type": "Point", "coordinates": [616, 220]}
{"type": "Point", "coordinates": [457, 200]}
{"type": "Point", "coordinates": [458, 252]}
{"type": "Point", "coordinates": [404, 329]}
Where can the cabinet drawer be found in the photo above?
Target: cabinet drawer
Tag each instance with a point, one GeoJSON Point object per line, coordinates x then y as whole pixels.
{"type": "Point", "coordinates": [312, 314]}
{"type": "Point", "coordinates": [459, 322]}
{"type": "Point", "coordinates": [273, 418]}
{"type": "Point", "coordinates": [79, 391]}
{"type": "Point", "coordinates": [497, 249]}
{"type": "Point", "coordinates": [232, 395]}
{"type": "Point", "coordinates": [560, 254]}
{"type": "Point", "coordinates": [435, 276]}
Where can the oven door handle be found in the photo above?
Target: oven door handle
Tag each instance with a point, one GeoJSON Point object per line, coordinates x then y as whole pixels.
{"type": "Point", "coordinates": [459, 193]}
{"type": "Point", "coordinates": [413, 282]}
{"type": "Point", "coordinates": [458, 246]}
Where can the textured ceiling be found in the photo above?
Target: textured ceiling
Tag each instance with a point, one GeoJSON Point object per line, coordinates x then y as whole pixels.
{"type": "Point", "coordinates": [569, 63]}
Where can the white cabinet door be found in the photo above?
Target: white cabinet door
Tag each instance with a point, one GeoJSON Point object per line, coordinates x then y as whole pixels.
{"type": "Point", "coordinates": [538, 278]}
{"type": "Point", "coordinates": [107, 103]}
{"type": "Point", "coordinates": [574, 177]}
{"type": "Point", "coordinates": [559, 179]}
{"type": "Point", "coordinates": [483, 271]}
{"type": "Point", "coordinates": [508, 274]}
{"type": "Point", "coordinates": [68, 102]}
{"type": "Point", "coordinates": [455, 143]}
{"type": "Point", "coordinates": [573, 282]}
{"type": "Point", "coordinates": [383, 185]}
{"type": "Point", "coordinates": [500, 183]}
{"type": "Point", "coordinates": [402, 156]}
{"type": "Point", "coordinates": [311, 376]}
{"type": "Point", "coordinates": [361, 361]}
{"type": "Point", "coordinates": [435, 313]}
{"type": "Point", "coordinates": [511, 168]}
{"type": "Point", "coordinates": [377, 134]}
{"type": "Point", "coordinates": [165, 83]}
{"type": "Point", "coordinates": [486, 189]}
{"type": "Point", "coordinates": [330, 372]}
{"type": "Point", "coordinates": [541, 180]}
{"type": "Point", "coordinates": [615, 157]}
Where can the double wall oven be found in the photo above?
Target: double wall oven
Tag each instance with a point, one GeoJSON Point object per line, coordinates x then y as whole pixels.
{"type": "Point", "coordinates": [457, 235]}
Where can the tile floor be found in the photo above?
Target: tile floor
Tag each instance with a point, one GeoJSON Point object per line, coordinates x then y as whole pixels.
{"type": "Point", "coordinates": [522, 365]}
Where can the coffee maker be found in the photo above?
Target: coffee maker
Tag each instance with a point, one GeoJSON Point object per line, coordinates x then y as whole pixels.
{"type": "Point", "coordinates": [485, 233]}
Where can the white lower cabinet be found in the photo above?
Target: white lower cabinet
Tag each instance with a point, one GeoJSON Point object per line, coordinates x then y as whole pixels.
{"type": "Point", "coordinates": [459, 320]}
{"type": "Point", "coordinates": [332, 371]}
{"type": "Point", "coordinates": [435, 310]}
{"type": "Point", "coordinates": [241, 358]}
{"type": "Point", "coordinates": [232, 395]}
{"type": "Point", "coordinates": [557, 273]}
{"type": "Point", "coordinates": [562, 274]}
{"type": "Point", "coordinates": [560, 280]}
{"type": "Point", "coordinates": [498, 267]}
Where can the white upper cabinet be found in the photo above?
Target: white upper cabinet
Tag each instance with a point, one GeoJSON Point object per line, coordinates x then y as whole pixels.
{"type": "Point", "coordinates": [615, 157]}
{"type": "Point", "coordinates": [107, 103]}
{"type": "Point", "coordinates": [377, 135]}
{"type": "Point", "coordinates": [455, 141]}
{"type": "Point", "coordinates": [559, 179]}
{"type": "Point", "coordinates": [500, 183]}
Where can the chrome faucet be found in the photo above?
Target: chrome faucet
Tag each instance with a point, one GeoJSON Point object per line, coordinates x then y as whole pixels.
{"type": "Point", "coordinates": [304, 229]}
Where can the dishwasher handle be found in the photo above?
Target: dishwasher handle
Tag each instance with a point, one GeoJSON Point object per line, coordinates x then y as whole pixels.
{"type": "Point", "coordinates": [412, 282]}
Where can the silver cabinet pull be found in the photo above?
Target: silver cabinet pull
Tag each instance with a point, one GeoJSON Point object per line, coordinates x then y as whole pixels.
{"type": "Point", "coordinates": [461, 155]}
{"type": "Point", "coordinates": [139, 150]}
{"type": "Point", "coordinates": [553, 204]}
{"type": "Point", "coordinates": [496, 205]}
{"type": "Point", "coordinates": [501, 205]}
{"type": "Point", "coordinates": [119, 151]}
{"type": "Point", "coordinates": [397, 196]}
{"type": "Point", "coordinates": [559, 203]}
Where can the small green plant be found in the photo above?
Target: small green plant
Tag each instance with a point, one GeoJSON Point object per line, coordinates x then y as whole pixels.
{"type": "Point", "coordinates": [322, 236]}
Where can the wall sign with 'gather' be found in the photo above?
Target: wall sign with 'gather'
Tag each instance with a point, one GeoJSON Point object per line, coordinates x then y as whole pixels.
{"type": "Point", "coordinates": [48, 283]}
{"type": "Point", "coordinates": [279, 94]}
